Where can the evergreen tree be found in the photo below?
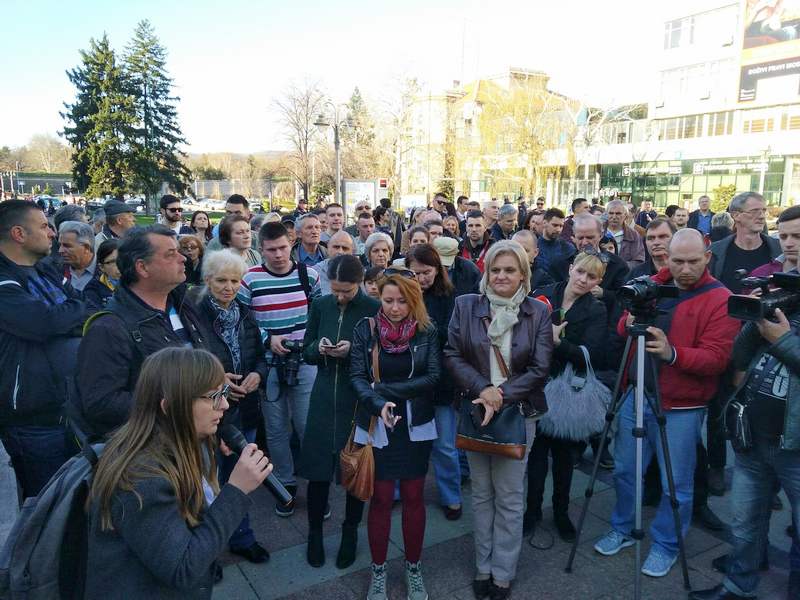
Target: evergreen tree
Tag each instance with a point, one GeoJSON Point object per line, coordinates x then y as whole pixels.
{"type": "Point", "coordinates": [99, 123]}
{"type": "Point", "coordinates": [157, 156]}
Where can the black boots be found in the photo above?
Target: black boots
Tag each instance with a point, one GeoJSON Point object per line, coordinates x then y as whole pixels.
{"type": "Point", "coordinates": [347, 548]}
{"type": "Point", "coordinates": [315, 554]}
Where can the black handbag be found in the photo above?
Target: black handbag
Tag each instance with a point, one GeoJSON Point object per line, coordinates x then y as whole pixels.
{"type": "Point", "coordinates": [736, 419]}
{"type": "Point", "coordinates": [503, 436]}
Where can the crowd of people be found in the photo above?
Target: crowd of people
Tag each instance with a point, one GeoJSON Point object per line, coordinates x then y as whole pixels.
{"type": "Point", "coordinates": [306, 334]}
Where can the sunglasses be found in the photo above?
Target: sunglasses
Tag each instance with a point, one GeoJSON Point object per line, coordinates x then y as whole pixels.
{"type": "Point", "coordinates": [174, 210]}
{"type": "Point", "coordinates": [592, 252]}
{"type": "Point", "coordinates": [407, 273]}
{"type": "Point", "coordinates": [217, 397]}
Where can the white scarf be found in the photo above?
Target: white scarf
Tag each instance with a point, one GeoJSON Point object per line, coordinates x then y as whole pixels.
{"type": "Point", "coordinates": [505, 313]}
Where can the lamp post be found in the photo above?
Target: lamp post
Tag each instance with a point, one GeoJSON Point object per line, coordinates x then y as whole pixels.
{"type": "Point", "coordinates": [322, 122]}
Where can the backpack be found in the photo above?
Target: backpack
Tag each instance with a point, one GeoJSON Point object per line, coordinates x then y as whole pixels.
{"type": "Point", "coordinates": [44, 556]}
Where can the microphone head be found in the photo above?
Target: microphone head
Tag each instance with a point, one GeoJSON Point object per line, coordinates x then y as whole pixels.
{"type": "Point", "coordinates": [232, 437]}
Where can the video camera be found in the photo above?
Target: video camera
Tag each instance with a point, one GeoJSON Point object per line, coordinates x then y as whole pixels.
{"type": "Point", "coordinates": [289, 364]}
{"type": "Point", "coordinates": [752, 308]}
{"type": "Point", "coordinates": [640, 296]}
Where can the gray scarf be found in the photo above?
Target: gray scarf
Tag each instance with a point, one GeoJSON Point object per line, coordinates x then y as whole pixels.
{"type": "Point", "coordinates": [505, 311]}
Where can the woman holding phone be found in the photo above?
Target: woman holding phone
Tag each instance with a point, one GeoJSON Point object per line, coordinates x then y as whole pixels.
{"type": "Point", "coordinates": [331, 411]}
{"type": "Point", "coordinates": [158, 518]}
{"type": "Point", "coordinates": [396, 393]}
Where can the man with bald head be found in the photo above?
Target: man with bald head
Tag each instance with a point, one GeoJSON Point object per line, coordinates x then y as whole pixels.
{"type": "Point", "coordinates": [539, 276]}
{"type": "Point", "coordinates": [690, 345]}
{"type": "Point", "coordinates": [339, 243]}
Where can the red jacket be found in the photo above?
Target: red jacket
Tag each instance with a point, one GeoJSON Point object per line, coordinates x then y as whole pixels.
{"type": "Point", "coordinates": [702, 333]}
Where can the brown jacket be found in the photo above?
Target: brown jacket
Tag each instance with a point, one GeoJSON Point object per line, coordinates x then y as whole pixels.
{"type": "Point", "coordinates": [466, 355]}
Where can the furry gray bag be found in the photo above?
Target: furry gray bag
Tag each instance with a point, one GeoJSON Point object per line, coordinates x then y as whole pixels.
{"type": "Point", "coordinates": [576, 405]}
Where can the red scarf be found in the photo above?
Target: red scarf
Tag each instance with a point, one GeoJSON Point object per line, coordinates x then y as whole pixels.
{"type": "Point", "coordinates": [395, 338]}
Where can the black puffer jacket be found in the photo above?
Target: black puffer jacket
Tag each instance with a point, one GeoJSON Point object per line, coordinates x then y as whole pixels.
{"type": "Point", "coordinates": [111, 354]}
{"type": "Point", "coordinates": [440, 309]}
{"type": "Point", "coordinates": [426, 364]}
{"type": "Point", "coordinates": [253, 358]}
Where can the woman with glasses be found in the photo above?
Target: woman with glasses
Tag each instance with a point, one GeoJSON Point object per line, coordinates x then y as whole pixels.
{"type": "Point", "coordinates": [235, 234]}
{"type": "Point", "coordinates": [438, 293]}
{"type": "Point", "coordinates": [232, 335]}
{"type": "Point", "coordinates": [191, 246]}
{"type": "Point", "coordinates": [500, 322]}
{"type": "Point", "coordinates": [101, 288]}
{"type": "Point", "coordinates": [329, 333]}
{"type": "Point", "coordinates": [158, 517]}
{"type": "Point", "coordinates": [201, 226]}
{"type": "Point", "coordinates": [579, 320]}
{"type": "Point", "coordinates": [404, 344]}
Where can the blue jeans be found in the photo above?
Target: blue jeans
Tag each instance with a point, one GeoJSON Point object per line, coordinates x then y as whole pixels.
{"type": "Point", "coordinates": [755, 475]}
{"type": "Point", "coordinates": [444, 457]}
{"type": "Point", "coordinates": [286, 406]}
{"type": "Point", "coordinates": [243, 537]}
{"type": "Point", "coordinates": [37, 452]}
{"type": "Point", "coordinates": [683, 434]}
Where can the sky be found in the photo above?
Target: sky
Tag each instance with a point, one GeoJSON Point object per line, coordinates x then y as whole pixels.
{"type": "Point", "coordinates": [230, 60]}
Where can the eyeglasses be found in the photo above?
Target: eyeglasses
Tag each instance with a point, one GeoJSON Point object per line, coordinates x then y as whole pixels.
{"type": "Point", "coordinates": [218, 396]}
{"type": "Point", "coordinates": [175, 210]}
{"type": "Point", "coordinates": [110, 261]}
{"type": "Point", "coordinates": [407, 273]}
{"type": "Point", "coordinates": [593, 252]}
{"type": "Point", "coordinates": [755, 212]}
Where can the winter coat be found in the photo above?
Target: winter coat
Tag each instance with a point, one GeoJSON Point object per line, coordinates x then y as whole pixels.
{"type": "Point", "coordinates": [719, 252]}
{"type": "Point", "coordinates": [419, 388]}
{"type": "Point", "coordinates": [252, 354]}
{"type": "Point", "coordinates": [332, 406]}
{"type": "Point", "coordinates": [440, 310]}
{"type": "Point", "coordinates": [466, 356]}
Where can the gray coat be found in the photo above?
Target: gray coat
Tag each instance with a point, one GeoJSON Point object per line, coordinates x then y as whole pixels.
{"type": "Point", "coordinates": [152, 552]}
{"type": "Point", "coordinates": [719, 252]}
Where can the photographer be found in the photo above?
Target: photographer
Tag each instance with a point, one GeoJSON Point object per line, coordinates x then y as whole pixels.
{"type": "Point", "coordinates": [279, 291]}
{"type": "Point", "coordinates": [691, 342]}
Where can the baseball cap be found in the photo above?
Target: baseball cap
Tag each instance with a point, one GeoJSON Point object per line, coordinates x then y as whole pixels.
{"type": "Point", "coordinates": [115, 207]}
{"type": "Point", "coordinates": [447, 248]}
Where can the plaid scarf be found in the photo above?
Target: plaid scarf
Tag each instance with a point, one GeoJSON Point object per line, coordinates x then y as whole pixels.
{"type": "Point", "coordinates": [395, 338]}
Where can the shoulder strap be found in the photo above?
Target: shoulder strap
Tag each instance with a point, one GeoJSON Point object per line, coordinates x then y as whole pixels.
{"type": "Point", "coordinates": [134, 331]}
{"type": "Point", "coordinates": [302, 274]}
{"type": "Point", "coordinates": [501, 362]}
{"type": "Point", "coordinates": [376, 372]}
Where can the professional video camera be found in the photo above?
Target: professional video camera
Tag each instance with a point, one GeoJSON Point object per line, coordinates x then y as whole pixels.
{"type": "Point", "coordinates": [752, 308]}
{"type": "Point", "coordinates": [289, 364]}
{"type": "Point", "coordinates": [641, 294]}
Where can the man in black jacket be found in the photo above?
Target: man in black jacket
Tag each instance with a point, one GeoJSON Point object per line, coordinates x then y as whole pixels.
{"type": "Point", "coordinates": [40, 322]}
{"type": "Point", "coordinates": [464, 275]}
{"type": "Point", "coordinates": [148, 313]}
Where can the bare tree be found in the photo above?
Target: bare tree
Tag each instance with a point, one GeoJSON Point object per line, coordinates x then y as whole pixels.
{"type": "Point", "coordinates": [46, 153]}
{"type": "Point", "coordinates": [299, 108]}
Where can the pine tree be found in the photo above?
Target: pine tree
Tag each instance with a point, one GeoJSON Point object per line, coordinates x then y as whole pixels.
{"type": "Point", "coordinates": [99, 123]}
{"type": "Point", "coordinates": [157, 138]}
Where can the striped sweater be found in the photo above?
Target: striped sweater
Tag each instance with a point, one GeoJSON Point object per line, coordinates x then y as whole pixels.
{"type": "Point", "coordinates": [278, 302]}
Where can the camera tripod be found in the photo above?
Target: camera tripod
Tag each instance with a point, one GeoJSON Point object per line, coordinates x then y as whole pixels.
{"type": "Point", "coordinates": [637, 330]}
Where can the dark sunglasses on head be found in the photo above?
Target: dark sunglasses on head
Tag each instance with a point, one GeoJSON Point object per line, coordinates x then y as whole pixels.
{"type": "Point", "coordinates": [407, 273]}
{"type": "Point", "coordinates": [216, 397]}
{"type": "Point", "coordinates": [593, 252]}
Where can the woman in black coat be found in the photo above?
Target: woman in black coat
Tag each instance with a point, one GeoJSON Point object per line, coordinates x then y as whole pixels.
{"type": "Point", "coordinates": [233, 337]}
{"type": "Point", "coordinates": [404, 343]}
{"type": "Point", "coordinates": [582, 322]}
{"type": "Point", "coordinates": [439, 296]}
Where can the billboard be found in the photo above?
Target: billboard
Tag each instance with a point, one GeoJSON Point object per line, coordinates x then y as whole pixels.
{"type": "Point", "coordinates": [770, 51]}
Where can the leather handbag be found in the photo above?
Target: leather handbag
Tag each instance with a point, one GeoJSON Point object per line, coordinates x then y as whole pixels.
{"type": "Point", "coordinates": [503, 436]}
{"type": "Point", "coordinates": [356, 461]}
{"type": "Point", "coordinates": [576, 405]}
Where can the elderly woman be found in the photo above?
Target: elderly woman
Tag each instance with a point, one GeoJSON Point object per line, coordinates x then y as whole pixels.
{"type": "Point", "coordinates": [191, 246]}
{"type": "Point", "coordinates": [721, 226]}
{"type": "Point", "coordinates": [378, 250]}
{"type": "Point", "coordinates": [329, 333]}
{"type": "Point", "coordinates": [232, 335]}
{"type": "Point", "coordinates": [519, 328]}
{"type": "Point", "coordinates": [582, 324]}
{"type": "Point", "coordinates": [235, 234]}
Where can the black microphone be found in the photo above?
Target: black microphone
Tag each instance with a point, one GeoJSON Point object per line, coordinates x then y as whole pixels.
{"type": "Point", "coordinates": [234, 439]}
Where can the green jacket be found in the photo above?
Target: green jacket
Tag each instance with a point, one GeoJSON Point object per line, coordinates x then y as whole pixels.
{"type": "Point", "coordinates": [333, 400]}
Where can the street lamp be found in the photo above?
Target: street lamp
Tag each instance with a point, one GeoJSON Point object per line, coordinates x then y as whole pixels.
{"type": "Point", "coordinates": [323, 122]}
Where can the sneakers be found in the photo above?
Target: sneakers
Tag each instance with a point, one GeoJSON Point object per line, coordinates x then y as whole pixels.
{"type": "Point", "coordinates": [658, 563]}
{"type": "Point", "coordinates": [414, 584]}
{"type": "Point", "coordinates": [327, 514]}
{"type": "Point", "coordinates": [287, 510]}
{"type": "Point", "coordinates": [377, 586]}
{"type": "Point", "coordinates": [612, 542]}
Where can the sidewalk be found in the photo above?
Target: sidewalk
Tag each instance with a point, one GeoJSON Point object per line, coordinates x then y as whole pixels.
{"type": "Point", "coordinates": [448, 557]}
